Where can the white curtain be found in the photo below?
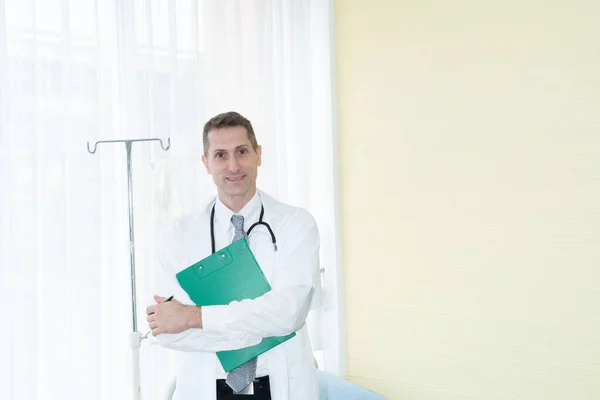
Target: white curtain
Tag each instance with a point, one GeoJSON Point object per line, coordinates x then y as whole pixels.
{"type": "Point", "coordinates": [89, 70]}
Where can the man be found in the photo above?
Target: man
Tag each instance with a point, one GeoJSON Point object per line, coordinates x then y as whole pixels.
{"type": "Point", "coordinates": [286, 372]}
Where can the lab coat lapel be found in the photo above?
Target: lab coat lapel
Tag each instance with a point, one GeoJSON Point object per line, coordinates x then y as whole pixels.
{"type": "Point", "coordinates": [260, 239]}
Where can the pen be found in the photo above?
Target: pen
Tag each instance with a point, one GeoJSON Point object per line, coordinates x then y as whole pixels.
{"type": "Point", "coordinates": [169, 299]}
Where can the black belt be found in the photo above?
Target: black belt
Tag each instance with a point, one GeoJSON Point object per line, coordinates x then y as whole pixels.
{"type": "Point", "coordinates": [262, 388]}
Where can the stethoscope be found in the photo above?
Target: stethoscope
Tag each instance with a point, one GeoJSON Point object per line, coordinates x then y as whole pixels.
{"type": "Point", "coordinates": [260, 222]}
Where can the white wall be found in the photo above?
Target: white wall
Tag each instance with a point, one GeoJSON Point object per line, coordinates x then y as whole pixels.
{"type": "Point", "coordinates": [470, 160]}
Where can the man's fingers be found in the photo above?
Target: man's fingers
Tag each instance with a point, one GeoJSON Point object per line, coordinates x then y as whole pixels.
{"type": "Point", "coordinates": [156, 331]}
{"type": "Point", "coordinates": [153, 325]}
{"type": "Point", "coordinates": [152, 309]}
{"type": "Point", "coordinates": [151, 318]}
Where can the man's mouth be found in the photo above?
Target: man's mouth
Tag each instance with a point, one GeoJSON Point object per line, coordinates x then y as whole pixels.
{"type": "Point", "coordinates": [235, 178]}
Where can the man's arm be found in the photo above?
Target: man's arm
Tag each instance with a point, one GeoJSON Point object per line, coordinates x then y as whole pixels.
{"type": "Point", "coordinates": [174, 324]}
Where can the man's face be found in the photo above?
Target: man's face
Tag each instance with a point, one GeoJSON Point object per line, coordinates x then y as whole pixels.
{"type": "Point", "coordinates": [232, 161]}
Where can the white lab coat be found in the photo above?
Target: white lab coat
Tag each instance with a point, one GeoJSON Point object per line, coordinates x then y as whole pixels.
{"type": "Point", "coordinates": [293, 273]}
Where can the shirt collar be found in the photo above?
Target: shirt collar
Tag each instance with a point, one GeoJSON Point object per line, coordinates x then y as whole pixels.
{"type": "Point", "coordinates": [250, 212]}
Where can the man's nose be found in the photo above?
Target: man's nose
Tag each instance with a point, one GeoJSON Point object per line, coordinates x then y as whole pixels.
{"type": "Point", "coordinates": [234, 165]}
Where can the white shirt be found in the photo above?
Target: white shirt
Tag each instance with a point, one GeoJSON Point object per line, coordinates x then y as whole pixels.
{"type": "Point", "coordinates": [224, 233]}
{"type": "Point", "coordinates": [292, 272]}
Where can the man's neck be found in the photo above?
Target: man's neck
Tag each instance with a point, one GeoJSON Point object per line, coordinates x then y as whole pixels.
{"type": "Point", "coordinates": [236, 203]}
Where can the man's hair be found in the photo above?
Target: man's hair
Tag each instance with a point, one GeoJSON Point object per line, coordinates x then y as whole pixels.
{"type": "Point", "coordinates": [228, 120]}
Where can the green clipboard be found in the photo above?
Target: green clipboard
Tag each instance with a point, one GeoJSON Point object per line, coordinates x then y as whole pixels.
{"type": "Point", "coordinates": [230, 274]}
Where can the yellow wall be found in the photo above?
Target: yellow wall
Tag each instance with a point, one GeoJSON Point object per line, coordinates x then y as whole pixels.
{"type": "Point", "coordinates": [470, 178]}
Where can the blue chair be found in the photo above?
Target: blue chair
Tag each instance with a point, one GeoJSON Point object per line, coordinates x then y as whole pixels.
{"type": "Point", "coordinates": [332, 387]}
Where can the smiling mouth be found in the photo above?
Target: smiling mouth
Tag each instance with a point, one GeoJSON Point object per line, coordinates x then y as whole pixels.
{"type": "Point", "coordinates": [235, 178]}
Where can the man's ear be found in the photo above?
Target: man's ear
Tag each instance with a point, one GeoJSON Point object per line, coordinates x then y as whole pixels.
{"type": "Point", "coordinates": [205, 161]}
{"type": "Point", "coordinates": [259, 152]}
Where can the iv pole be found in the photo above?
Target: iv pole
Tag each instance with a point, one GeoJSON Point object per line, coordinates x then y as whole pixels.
{"type": "Point", "coordinates": [135, 337]}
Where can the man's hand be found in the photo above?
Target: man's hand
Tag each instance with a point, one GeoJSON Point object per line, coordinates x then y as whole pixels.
{"type": "Point", "coordinates": [172, 316]}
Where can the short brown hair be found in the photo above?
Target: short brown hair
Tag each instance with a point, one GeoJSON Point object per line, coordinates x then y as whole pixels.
{"type": "Point", "coordinates": [228, 120]}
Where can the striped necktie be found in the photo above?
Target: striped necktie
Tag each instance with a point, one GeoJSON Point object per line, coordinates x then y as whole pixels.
{"type": "Point", "coordinates": [242, 376]}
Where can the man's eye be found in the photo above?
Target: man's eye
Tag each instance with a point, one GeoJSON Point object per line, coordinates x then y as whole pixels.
{"type": "Point", "coordinates": [219, 155]}
{"type": "Point", "coordinates": [243, 151]}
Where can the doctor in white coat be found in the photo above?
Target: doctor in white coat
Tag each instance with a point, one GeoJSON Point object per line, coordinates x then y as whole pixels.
{"type": "Point", "coordinates": [286, 372]}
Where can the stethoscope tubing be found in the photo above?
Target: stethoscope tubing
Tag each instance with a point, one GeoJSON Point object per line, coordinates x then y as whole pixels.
{"type": "Point", "coordinates": [254, 225]}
